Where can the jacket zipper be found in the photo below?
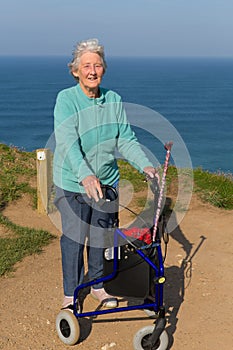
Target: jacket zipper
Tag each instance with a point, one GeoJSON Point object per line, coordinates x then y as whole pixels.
{"type": "Point", "coordinates": [97, 137]}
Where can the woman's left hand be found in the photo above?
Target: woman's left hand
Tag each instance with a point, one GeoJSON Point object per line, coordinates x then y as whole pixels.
{"type": "Point", "coordinates": [151, 172]}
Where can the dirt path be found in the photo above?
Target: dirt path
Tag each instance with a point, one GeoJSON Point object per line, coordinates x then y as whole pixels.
{"type": "Point", "coordinates": [198, 295]}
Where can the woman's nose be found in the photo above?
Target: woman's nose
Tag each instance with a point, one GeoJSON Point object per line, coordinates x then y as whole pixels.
{"type": "Point", "coordinates": [93, 69]}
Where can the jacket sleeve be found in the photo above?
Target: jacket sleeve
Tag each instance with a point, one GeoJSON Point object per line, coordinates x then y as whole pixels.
{"type": "Point", "coordinates": [67, 139]}
{"type": "Point", "coordinates": [128, 144]}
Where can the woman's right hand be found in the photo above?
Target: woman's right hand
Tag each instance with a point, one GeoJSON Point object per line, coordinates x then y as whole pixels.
{"type": "Point", "coordinates": [92, 187]}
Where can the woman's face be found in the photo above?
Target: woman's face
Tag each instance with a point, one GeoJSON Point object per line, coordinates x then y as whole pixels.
{"type": "Point", "coordinates": [90, 73]}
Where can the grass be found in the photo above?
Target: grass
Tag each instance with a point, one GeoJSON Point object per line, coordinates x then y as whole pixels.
{"type": "Point", "coordinates": [17, 172]}
{"type": "Point", "coordinates": [216, 189]}
{"type": "Point", "coordinates": [18, 176]}
{"type": "Point", "coordinates": [20, 242]}
{"type": "Point", "coordinates": [213, 188]}
{"type": "Point", "coordinates": [127, 172]}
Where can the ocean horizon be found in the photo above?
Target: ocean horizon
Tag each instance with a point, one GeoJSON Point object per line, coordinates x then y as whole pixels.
{"type": "Point", "coordinates": [194, 95]}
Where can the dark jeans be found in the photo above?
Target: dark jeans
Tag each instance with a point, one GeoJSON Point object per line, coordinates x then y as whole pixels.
{"type": "Point", "coordinates": [83, 222]}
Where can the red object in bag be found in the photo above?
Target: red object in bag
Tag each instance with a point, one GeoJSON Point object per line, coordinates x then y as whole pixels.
{"type": "Point", "coordinates": [143, 234]}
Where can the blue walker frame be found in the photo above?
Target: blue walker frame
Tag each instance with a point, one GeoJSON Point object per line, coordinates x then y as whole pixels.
{"type": "Point", "coordinates": [159, 280]}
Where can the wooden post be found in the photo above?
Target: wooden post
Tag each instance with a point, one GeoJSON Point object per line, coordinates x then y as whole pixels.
{"type": "Point", "coordinates": [44, 179]}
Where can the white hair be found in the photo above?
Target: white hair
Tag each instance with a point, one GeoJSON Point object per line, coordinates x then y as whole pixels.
{"type": "Point", "coordinates": [90, 45]}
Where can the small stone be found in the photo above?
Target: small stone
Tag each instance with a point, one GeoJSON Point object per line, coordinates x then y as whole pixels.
{"type": "Point", "coordinates": [108, 346]}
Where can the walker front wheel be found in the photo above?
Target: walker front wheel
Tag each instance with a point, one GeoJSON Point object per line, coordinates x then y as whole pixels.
{"type": "Point", "coordinates": [141, 338]}
{"type": "Point", "coordinates": [67, 327]}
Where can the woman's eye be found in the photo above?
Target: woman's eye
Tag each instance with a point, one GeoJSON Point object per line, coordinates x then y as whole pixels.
{"type": "Point", "coordinates": [88, 66]}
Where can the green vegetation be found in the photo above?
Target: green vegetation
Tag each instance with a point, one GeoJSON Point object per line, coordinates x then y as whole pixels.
{"type": "Point", "coordinates": [17, 172]}
{"type": "Point", "coordinates": [18, 243]}
{"type": "Point", "coordinates": [18, 176]}
{"type": "Point", "coordinates": [129, 173]}
{"type": "Point", "coordinates": [216, 189]}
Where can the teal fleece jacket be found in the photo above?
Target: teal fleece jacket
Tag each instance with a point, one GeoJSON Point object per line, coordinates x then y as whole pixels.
{"type": "Point", "coordinates": [88, 131]}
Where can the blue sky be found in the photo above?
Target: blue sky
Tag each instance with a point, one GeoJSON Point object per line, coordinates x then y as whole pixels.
{"type": "Point", "coordinates": [124, 27]}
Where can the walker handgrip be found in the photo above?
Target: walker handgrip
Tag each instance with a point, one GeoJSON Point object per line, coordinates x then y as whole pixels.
{"type": "Point", "coordinates": [101, 202]}
{"type": "Point", "coordinates": [154, 185]}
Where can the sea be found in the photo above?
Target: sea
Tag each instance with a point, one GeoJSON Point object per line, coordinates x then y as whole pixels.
{"type": "Point", "coordinates": [192, 97]}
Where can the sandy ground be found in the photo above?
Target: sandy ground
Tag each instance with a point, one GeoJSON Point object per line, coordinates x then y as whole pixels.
{"type": "Point", "coordinates": [198, 294]}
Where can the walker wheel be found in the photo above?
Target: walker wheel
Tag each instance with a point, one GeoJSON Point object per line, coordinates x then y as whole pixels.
{"type": "Point", "coordinates": [140, 341]}
{"type": "Point", "coordinates": [67, 327]}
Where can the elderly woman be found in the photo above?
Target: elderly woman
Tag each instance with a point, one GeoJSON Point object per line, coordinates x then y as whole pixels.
{"type": "Point", "coordinates": [90, 124]}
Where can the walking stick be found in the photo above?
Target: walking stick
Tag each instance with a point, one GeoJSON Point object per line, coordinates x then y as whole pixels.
{"type": "Point", "coordinates": [168, 147]}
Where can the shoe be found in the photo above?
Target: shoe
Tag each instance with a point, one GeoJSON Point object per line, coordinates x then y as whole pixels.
{"type": "Point", "coordinates": [150, 311]}
{"type": "Point", "coordinates": [68, 307]}
{"type": "Point", "coordinates": [105, 299]}
{"type": "Point", "coordinates": [68, 303]}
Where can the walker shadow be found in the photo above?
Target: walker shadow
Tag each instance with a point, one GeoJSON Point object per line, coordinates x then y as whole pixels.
{"type": "Point", "coordinates": [178, 279]}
